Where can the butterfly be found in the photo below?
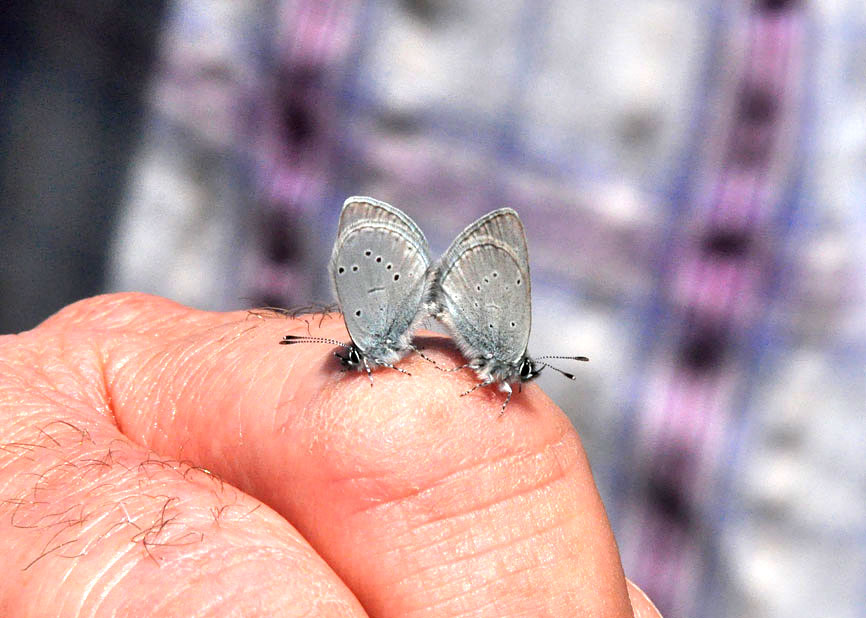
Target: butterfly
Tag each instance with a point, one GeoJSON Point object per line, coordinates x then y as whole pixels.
{"type": "Point", "coordinates": [379, 268]}
{"type": "Point", "coordinates": [480, 289]}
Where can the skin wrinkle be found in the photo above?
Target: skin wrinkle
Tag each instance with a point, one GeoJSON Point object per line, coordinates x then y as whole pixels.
{"type": "Point", "coordinates": [168, 413]}
{"type": "Point", "coordinates": [262, 591]}
{"type": "Point", "coordinates": [240, 401]}
{"type": "Point", "coordinates": [20, 448]}
{"type": "Point", "coordinates": [209, 608]}
{"type": "Point", "coordinates": [454, 478]}
{"type": "Point", "coordinates": [270, 364]}
{"type": "Point", "coordinates": [229, 560]}
{"type": "Point", "coordinates": [103, 581]}
{"type": "Point", "coordinates": [298, 415]}
{"type": "Point", "coordinates": [199, 552]}
{"type": "Point", "coordinates": [517, 489]}
{"type": "Point", "coordinates": [141, 313]}
{"type": "Point", "coordinates": [183, 370]}
{"type": "Point", "coordinates": [146, 365]}
{"type": "Point", "coordinates": [442, 603]}
{"type": "Point", "coordinates": [52, 400]}
{"type": "Point", "coordinates": [477, 552]}
{"type": "Point", "coordinates": [167, 403]}
{"type": "Point", "coordinates": [240, 404]}
{"type": "Point", "coordinates": [116, 355]}
{"type": "Point", "coordinates": [272, 368]}
{"type": "Point", "coordinates": [16, 381]}
{"type": "Point", "coordinates": [460, 523]}
{"type": "Point", "coordinates": [479, 612]}
{"type": "Point", "coordinates": [168, 360]}
{"type": "Point", "coordinates": [94, 541]}
{"type": "Point", "coordinates": [286, 397]}
{"type": "Point", "coordinates": [57, 377]}
{"type": "Point", "coordinates": [198, 376]}
{"type": "Point", "coordinates": [285, 400]}
{"type": "Point", "coordinates": [212, 608]}
{"type": "Point", "coordinates": [196, 363]}
{"type": "Point", "coordinates": [86, 370]}
{"type": "Point", "coordinates": [109, 507]}
{"type": "Point", "coordinates": [314, 414]}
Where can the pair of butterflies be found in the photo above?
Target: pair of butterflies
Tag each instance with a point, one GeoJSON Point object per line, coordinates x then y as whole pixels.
{"type": "Point", "coordinates": [479, 289]}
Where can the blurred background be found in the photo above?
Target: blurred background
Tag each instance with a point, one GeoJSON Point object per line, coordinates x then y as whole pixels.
{"type": "Point", "coordinates": [691, 174]}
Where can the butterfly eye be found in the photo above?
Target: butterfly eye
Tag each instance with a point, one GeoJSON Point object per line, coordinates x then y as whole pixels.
{"type": "Point", "coordinates": [354, 357]}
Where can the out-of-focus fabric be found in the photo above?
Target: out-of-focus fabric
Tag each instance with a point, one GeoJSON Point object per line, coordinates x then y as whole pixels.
{"type": "Point", "coordinates": [690, 175]}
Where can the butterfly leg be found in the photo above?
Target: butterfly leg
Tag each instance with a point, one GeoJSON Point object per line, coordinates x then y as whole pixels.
{"type": "Point", "coordinates": [466, 366]}
{"type": "Point", "coordinates": [395, 368]}
{"type": "Point", "coordinates": [486, 382]}
{"type": "Point", "coordinates": [507, 388]}
{"type": "Point", "coordinates": [369, 373]}
{"type": "Point", "coordinates": [424, 356]}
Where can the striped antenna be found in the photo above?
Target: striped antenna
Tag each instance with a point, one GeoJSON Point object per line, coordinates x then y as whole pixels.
{"type": "Point", "coordinates": [290, 339]}
{"type": "Point", "coordinates": [565, 373]}
{"type": "Point", "coordinates": [570, 376]}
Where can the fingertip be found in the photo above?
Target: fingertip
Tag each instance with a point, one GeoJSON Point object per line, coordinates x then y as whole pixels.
{"type": "Point", "coordinates": [460, 488]}
{"type": "Point", "coordinates": [641, 605]}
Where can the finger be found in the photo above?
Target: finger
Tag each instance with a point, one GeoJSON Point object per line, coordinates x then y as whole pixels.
{"type": "Point", "coordinates": [92, 524]}
{"type": "Point", "coordinates": [424, 502]}
{"type": "Point", "coordinates": [640, 602]}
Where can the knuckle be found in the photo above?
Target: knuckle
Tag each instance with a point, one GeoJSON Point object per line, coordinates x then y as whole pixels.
{"type": "Point", "coordinates": [112, 310]}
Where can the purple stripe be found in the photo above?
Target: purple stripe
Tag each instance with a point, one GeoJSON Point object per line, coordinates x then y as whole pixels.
{"type": "Point", "coordinates": [689, 414]}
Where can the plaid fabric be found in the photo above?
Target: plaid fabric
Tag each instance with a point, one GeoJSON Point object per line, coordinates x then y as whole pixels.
{"type": "Point", "coordinates": [690, 176]}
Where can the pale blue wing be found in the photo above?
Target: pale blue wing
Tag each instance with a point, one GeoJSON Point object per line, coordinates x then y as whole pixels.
{"type": "Point", "coordinates": [378, 268]}
{"type": "Point", "coordinates": [482, 287]}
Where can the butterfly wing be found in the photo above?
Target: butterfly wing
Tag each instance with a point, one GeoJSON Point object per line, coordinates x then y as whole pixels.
{"type": "Point", "coordinates": [378, 268]}
{"type": "Point", "coordinates": [482, 288]}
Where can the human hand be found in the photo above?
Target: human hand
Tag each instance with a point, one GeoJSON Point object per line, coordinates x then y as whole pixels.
{"type": "Point", "coordinates": [141, 440]}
